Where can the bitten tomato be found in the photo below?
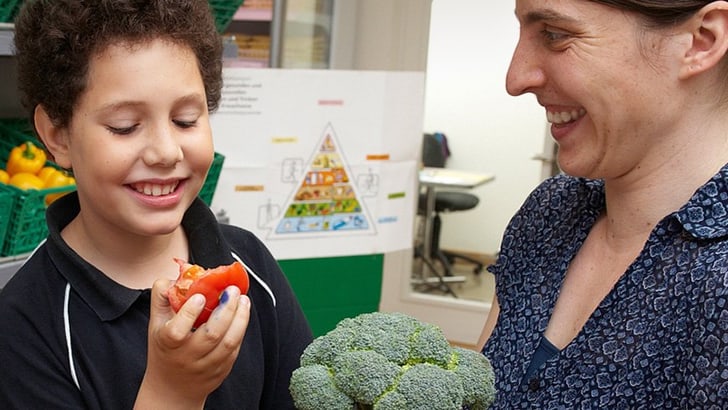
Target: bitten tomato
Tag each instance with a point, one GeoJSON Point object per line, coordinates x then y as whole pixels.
{"type": "Point", "coordinates": [208, 282]}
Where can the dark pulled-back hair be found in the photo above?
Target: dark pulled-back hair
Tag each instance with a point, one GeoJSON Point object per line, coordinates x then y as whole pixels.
{"type": "Point", "coordinates": [56, 39]}
{"type": "Point", "coordinates": [658, 12]}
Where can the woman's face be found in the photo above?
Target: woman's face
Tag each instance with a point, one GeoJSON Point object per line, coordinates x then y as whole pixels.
{"type": "Point", "coordinates": [604, 81]}
{"type": "Point", "coordinates": [139, 141]}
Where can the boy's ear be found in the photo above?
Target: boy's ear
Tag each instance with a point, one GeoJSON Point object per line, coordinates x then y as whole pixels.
{"type": "Point", "coordinates": [54, 138]}
{"type": "Point", "coordinates": [709, 39]}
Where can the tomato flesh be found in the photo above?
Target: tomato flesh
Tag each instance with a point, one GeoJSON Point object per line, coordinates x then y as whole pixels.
{"type": "Point", "coordinates": [208, 282]}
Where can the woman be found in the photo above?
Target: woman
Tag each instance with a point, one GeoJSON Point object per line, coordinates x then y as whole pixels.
{"type": "Point", "coordinates": [612, 281]}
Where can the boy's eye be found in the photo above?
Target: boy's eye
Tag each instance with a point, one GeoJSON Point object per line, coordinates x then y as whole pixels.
{"type": "Point", "coordinates": [185, 124]}
{"type": "Point", "coordinates": [121, 130]}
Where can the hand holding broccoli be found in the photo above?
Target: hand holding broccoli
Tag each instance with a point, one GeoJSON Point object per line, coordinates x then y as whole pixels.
{"type": "Point", "coordinates": [390, 361]}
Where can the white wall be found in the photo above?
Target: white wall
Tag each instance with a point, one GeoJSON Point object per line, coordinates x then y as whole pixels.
{"type": "Point", "coordinates": [470, 46]}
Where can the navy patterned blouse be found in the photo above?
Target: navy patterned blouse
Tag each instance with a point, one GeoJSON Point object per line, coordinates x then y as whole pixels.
{"type": "Point", "coordinates": [659, 339]}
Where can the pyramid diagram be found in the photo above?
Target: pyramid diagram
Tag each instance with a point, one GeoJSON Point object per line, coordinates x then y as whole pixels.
{"type": "Point", "coordinates": [325, 200]}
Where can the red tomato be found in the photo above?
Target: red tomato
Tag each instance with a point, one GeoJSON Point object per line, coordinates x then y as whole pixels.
{"type": "Point", "coordinates": [208, 282]}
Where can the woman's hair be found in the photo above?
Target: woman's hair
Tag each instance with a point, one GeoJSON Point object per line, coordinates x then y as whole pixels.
{"type": "Point", "coordinates": [56, 39]}
{"type": "Point", "coordinates": [658, 12]}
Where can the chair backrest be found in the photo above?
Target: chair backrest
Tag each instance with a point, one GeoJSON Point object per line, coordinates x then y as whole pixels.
{"type": "Point", "coordinates": [433, 154]}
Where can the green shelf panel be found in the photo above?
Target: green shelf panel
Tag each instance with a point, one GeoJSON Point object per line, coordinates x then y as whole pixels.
{"type": "Point", "coordinates": [332, 289]}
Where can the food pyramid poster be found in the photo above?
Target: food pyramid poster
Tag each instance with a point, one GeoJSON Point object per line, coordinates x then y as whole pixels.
{"type": "Point", "coordinates": [320, 163]}
{"type": "Point", "coordinates": [326, 200]}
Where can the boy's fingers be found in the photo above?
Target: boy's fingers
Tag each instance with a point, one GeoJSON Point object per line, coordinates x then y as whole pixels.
{"type": "Point", "coordinates": [160, 309]}
{"type": "Point", "coordinates": [240, 323]}
{"type": "Point", "coordinates": [191, 309]}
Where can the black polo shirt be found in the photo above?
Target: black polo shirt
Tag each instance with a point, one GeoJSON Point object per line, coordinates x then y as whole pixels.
{"type": "Point", "coordinates": [57, 298]}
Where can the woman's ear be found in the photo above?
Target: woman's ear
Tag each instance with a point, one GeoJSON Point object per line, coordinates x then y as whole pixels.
{"type": "Point", "coordinates": [709, 29]}
{"type": "Point", "coordinates": [54, 138]}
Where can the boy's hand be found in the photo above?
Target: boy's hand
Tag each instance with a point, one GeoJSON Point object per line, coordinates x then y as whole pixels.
{"type": "Point", "coordinates": [183, 366]}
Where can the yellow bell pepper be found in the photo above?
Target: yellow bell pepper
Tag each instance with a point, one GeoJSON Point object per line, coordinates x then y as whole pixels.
{"type": "Point", "coordinates": [26, 157]}
{"type": "Point", "coordinates": [46, 171]}
{"type": "Point", "coordinates": [25, 180]}
{"type": "Point", "coordinates": [53, 179]}
{"type": "Point", "coordinates": [4, 176]}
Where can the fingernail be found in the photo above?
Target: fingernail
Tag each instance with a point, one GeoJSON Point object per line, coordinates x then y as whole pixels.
{"type": "Point", "coordinates": [224, 297]}
{"type": "Point", "coordinates": [198, 299]}
{"type": "Point", "coordinates": [244, 300]}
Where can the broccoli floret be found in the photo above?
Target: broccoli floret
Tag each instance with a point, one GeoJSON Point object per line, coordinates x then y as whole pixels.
{"type": "Point", "coordinates": [323, 350]}
{"type": "Point", "coordinates": [429, 345]}
{"type": "Point", "coordinates": [364, 374]}
{"type": "Point", "coordinates": [388, 334]}
{"type": "Point", "coordinates": [390, 361]}
{"type": "Point", "coordinates": [312, 388]}
{"type": "Point", "coordinates": [477, 376]}
{"type": "Point", "coordinates": [429, 387]}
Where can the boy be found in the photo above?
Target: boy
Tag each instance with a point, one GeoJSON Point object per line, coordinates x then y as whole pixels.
{"type": "Point", "coordinates": [120, 92]}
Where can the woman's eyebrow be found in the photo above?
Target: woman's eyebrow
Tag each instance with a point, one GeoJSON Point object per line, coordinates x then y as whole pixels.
{"type": "Point", "coordinates": [546, 15]}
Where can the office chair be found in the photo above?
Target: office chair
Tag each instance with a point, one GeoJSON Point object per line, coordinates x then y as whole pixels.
{"type": "Point", "coordinates": [434, 154]}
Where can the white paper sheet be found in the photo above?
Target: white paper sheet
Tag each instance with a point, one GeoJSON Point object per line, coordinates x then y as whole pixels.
{"type": "Point", "coordinates": [320, 162]}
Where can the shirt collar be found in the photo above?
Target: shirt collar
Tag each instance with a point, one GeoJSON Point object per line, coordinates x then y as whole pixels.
{"type": "Point", "coordinates": [106, 297]}
{"type": "Point", "coordinates": [705, 215]}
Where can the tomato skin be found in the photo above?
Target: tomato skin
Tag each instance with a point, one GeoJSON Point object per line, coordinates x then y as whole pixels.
{"type": "Point", "coordinates": [208, 282]}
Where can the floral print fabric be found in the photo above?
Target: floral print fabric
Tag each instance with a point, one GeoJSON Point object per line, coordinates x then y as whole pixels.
{"type": "Point", "coordinates": [659, 339]}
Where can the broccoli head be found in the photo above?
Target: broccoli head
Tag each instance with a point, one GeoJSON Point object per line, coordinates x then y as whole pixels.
{"type": "Point", "coordinates": [390, 361]}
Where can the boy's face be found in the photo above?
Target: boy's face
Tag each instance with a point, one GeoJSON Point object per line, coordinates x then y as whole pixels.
{"type": "Point", "coordinates": [140, 142]}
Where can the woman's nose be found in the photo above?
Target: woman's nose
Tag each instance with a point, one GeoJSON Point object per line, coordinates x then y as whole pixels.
{"type": "Point", "coordinates": [525, 72]}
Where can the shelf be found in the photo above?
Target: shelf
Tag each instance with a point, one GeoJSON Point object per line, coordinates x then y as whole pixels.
{"type": "Point", "coordinates": [10, 106]}
{"type": "Point", "coordinates": [251, 14]}
{"type": "Point", "coordinates": [309, 18]}
{"type": "Point", "coordinates": [7, 31]}
{"type": "Point", "coordinates": [8, 266]}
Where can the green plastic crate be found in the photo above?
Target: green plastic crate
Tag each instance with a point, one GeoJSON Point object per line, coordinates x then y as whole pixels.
{"type": "Point", "coordinates": [223, 10]}
{"type": "Point", "coordinates": [8, 9]}
{"type": "Point", "coordinates": [6, 207]}
{"type": "Point", "coordinates": [208, 188]}
{"type": "Point", "coordinates": [26, 224]}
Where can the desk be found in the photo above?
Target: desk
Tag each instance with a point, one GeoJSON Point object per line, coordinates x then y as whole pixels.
{"type": "Point", "coordinates": [431, 179]}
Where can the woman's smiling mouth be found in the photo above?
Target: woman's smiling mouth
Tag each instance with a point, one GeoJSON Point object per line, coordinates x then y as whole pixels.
{"type": "Point", "coordinates": [563, 117]}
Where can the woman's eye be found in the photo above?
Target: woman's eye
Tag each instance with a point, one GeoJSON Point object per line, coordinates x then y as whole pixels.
{"type": "Point", "coordinates": [554, 36]}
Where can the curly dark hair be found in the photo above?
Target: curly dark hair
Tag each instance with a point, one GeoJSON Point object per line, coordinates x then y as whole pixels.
{"type": "Point", "coordinates": [56, 39]}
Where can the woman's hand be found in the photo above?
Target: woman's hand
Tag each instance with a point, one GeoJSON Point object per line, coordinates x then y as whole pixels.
{"type": "Point", "coordinates": [184, 366]}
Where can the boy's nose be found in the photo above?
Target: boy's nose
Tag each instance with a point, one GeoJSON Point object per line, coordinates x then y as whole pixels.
{"type": "Point", "coordinates": [163, 149]}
